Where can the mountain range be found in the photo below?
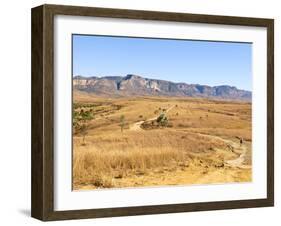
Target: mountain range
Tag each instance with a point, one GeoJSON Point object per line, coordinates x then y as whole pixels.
{"type": "Point", "coordinates": [135, 85]}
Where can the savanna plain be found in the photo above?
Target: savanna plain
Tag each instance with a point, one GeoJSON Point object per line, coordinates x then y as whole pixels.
{"type": "Point", "coordinates": [159, 141]}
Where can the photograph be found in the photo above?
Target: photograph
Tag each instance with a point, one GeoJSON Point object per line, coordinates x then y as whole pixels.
{"type": "Point", "coordinates": [160, 112]}
{"type": "Point", "coordinates": [140, 112]}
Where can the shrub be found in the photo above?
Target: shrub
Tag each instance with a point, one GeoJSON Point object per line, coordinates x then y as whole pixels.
{"type": "Point", "coordinates": [122, 123]}
{"type": "Point", "coordinates": [162, 120]}
{"type": "Point", "coordinates": [80, 121]}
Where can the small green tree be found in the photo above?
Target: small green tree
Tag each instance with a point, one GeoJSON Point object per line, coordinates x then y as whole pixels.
{"type": "Point", "coordinates": [83, 131]}
{"type": "Point", "coordinates": [86, 115]}
{"type": "Point", "coordinates": [162, 120]}
{"type": "Point", "coordinates": [80, 122]}
{"type": "Point", "coordinates": [76, 123]}
{"type": "Point", "coordinates": [122, 123]}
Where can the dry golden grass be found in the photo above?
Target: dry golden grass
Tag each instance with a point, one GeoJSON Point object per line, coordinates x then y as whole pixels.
{"type": "Point", "coordinates": [111, 158]}
{"type": "Point", "coordinates": [119, 155]}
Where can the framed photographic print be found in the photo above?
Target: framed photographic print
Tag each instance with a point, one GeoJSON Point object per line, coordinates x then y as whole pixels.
{"type": "Point", "coordinates": [141, 112]}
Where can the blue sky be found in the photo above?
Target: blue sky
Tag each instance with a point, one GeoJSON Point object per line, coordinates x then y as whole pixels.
{"type": "Point", "coordinates": [193, 62]}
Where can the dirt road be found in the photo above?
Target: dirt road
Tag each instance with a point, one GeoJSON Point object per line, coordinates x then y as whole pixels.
{"type": "Point", "coordinates": [240, 150]}
{"type": "Point", "coordinates": [137, 126]}
{"type": "Point", "coordinates": [236, 148]}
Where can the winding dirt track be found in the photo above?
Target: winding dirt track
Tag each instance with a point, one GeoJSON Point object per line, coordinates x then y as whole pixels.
{"type": "Point", "coordinates": [241, 150]}
{"type": "Point", "coordinates": [137, 126]}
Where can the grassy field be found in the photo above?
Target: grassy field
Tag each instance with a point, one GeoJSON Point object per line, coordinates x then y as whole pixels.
{"type": "Point", "coordinates": [123, 142]}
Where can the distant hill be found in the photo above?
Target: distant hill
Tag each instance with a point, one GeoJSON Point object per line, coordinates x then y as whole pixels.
{"type": "Point", "coordinates": [134, 85]}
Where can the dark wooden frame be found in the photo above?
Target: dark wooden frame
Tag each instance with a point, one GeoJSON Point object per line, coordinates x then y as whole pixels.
{"type": "Point", "coordinates": [42, 202]}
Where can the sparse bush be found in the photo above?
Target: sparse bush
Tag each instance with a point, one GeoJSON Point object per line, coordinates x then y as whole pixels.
{"type": "Point", "coordinates": [83, 131]}
{"type": "Point", "coordinates": [162, 120]}
{"type": "Point", "coordinates": [122, 122]}
{"type": "Point", "coordinates": [84, 105]}
{"type": "Point", "coordinates": [80, 122]}
{"type": "Point", "coordinates": [102, 181]}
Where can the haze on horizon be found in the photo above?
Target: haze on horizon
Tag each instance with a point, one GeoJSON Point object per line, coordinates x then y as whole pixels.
{"type": "Point", "coordinates": [188, 61]}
